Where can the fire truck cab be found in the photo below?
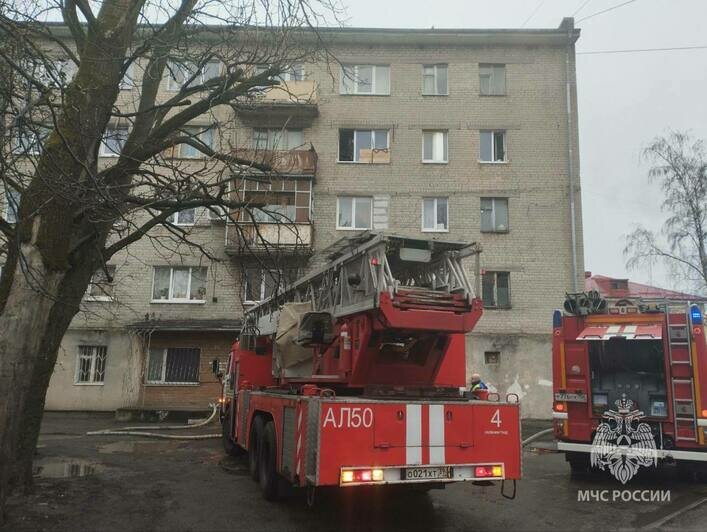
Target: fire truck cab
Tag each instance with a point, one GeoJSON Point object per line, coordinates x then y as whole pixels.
{"type": "Point", "coordinates": [649, 353]}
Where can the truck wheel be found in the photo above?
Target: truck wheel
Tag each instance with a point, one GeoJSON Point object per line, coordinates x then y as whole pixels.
{"type": "Point", "coordinates": [268, 476]}
{"type": "Point", "coordinates": [231, 448]}
{"type": "Point", "coordinates": [579, 462]}
{"type": "Point", "coordinates": [256, 432]}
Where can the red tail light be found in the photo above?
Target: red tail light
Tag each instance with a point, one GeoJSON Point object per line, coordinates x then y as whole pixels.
{"type": "Point", "coordinates": [490, 471]}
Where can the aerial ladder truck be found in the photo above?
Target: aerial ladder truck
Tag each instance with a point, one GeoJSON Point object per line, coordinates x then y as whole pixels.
{"type": "Point", "coordinates": [355, 375]}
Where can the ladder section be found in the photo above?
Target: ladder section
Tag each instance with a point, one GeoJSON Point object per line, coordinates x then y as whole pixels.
{"type": "Point", "coordinates": [418, 274]}
{"type": "Point", "coordinates": [681, 375]}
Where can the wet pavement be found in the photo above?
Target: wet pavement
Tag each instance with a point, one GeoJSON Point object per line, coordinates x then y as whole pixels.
{"type": "Point", "coordinates": [131, 483]}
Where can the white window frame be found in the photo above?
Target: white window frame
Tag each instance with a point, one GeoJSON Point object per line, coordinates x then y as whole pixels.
{"type": "Point", "coordinates": [281, 133]}
{"type": "Point", "coordinates": [174, 86]}
{"type": "Point", "coordinates": [353, 213]}
{"type": "Point", "coordinates": [174, 218]}
{"type": "Point", "coordinates": [171, 299]}
{"type": "Point", "coordinates": [92, 368]}
{"type": "Point", "coordinates": [11, 216]}
{"type": "Point", "coordinates": [201, 133]}
{"type": "Point", "coordinates": [434, 213]}
{"type": "Point", "coordinates": [505, 79]}
{"type": "Point", "coordinates": [355, 145]}
{"type": "Point", "coordinates": [163, 376]}
{"type": "Point", "coordinates": [374, 74]}
{"type": "Point", "coordinates": [103, 150]}
{"type": "Point", "coordinates": [494, 199]}
{"type": "Point", "coordinates": [445, 141]}
{"type": "Point", "coordinates": [435, 66]}
{"type": "Point", "coordinates": [493, 146]}
{"type": "Point", "coordinates": [102, 297]}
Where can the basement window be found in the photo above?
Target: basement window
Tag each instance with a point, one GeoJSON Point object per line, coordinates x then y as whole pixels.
{"type": "Point", "coordinates": [173, 365]}
{"type": "Point", "coordinates": [492, 358]}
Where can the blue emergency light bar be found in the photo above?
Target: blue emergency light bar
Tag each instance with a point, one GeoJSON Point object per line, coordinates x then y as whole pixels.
{"type": "Point", "coordinates": [557, 319]}
{"type": "Point", "coordinates": [695, 315]}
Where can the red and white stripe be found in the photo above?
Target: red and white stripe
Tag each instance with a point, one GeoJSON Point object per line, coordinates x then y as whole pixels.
{"type": "Point", "coordinates": [424, 434]}
{"type": "Point", "coordinates": [299, 454]}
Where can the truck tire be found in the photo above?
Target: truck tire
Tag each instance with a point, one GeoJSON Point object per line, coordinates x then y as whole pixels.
{"type": "Point", "coordinates": [579, 462]}
{"type": "Point", "coordinates": [231, 447]}
{"type": "Point", "coordinates": [256, 435]}
{"type": "Point", "coordinates": [268, 477]}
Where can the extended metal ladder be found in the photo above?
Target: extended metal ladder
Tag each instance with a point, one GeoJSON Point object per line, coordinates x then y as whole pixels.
{"type": "Point", "coordinates": [681, 374]}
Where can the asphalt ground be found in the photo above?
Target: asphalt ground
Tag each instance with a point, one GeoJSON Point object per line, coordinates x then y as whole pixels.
{"type": "Point", "coordinates": [132, 483]}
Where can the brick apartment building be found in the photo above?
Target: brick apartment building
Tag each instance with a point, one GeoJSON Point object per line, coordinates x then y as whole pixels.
{"type": "Point", "coordinates": [462, 135]}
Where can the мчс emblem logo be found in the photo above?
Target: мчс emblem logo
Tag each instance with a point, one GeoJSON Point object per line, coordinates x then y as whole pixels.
{"type": "Point", "coordinates": [622, 444]}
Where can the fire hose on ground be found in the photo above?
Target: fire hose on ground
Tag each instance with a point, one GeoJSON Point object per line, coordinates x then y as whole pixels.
{"type": "Point", "coordinates": [138, 430]}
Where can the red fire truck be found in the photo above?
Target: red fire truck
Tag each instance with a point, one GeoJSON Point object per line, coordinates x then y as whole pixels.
{"type": "Point", "coordinates": [355, 375]}
{"type": "Point", "coordinates": [650, 354]}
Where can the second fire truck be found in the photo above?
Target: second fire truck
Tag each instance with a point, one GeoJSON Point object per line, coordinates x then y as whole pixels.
{"type": "Point", "coordinates": [355, 375]}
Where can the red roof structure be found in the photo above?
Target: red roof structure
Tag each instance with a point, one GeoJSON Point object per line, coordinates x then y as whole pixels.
{"type": "Point", "coordinates": [610, 287]}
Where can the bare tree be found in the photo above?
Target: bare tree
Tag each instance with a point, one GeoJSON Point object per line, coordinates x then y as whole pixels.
{"type": "Point", "coordinates": [680, 167]}
{"type": "Point", "coordinates": [63, 108]}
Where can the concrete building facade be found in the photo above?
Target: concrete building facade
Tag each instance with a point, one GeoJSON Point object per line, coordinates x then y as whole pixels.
{"type": "Point", "coordinates": [463, 135]}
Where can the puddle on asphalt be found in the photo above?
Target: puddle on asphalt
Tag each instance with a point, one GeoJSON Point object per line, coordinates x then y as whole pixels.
{"type": "Point", "coordinates": [65, 468]}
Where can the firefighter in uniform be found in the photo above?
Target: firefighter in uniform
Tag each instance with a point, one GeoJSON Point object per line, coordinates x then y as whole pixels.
{"type": "Point", "coordinates": [476, 383]}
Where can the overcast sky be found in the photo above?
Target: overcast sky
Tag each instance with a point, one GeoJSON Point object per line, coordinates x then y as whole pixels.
{"type": "Point", "coordinates": [624, 99]}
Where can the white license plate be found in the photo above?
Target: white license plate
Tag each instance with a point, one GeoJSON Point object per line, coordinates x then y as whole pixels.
{"type": "Point", "coordinates": [427, 473]}
{"type": "Point", "coordinates": [571, 397]}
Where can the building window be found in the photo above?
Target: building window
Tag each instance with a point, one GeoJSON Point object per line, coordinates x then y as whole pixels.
{"type": "Point", "coordinates": [492, 358]}
{"type": "Point", "coordinates": [289, 73]}
{"type": "Point", "coordinates": [113, 141]}
{"type": "Point", "coordinates": [364, 146]}
{"type": "Point", "coordinates": [285, 201]}
{"type": "Point", "coordinates": [277, 139]}
{"type": "Point", "coordinates": [354, 212]}
{"type": "Point", "coordinates": [181, 284]}
{"type": "Point", "coordinates": [128, 81]}
{"type": "Point", "coordinates": [434, 80]}
{"type": "Point", "coordinates": [91, 364]}
{"type": "Point", "coordinates": [28, 140]}
{"type": "Point", "coordinates": [185, 217]}
{"type": "Point", "coordinates": [494, 215]}
{"type": "Point", "coordinates": [496, 289]}
{"type": "Point", "coordinates": [434, 214]}
{"type": "Point", "coordinates": [12, 205]}
{"type": "Point", "coordinates": [434, 146]}
{"type": "Point", "coordinates": [492, 80]}
{"type": "Point", "coordinates": [261, 284]}
{"type": "Point", "coordinates": [204, 134]}
{"type": "Point", "coordinates": [101, 286]}
{"type": "Point", "coordinates": [173, 365]}
{"type": "Point", "coordinates": [365, 79]}
{"type": "Point", "coordinates": [179, 74]}
{"type": "Point", "coordinates": [492, 147]}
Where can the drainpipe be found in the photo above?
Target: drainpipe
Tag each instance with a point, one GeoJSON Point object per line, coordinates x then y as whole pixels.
{"type": "Point", "coordinates": [568, 23]}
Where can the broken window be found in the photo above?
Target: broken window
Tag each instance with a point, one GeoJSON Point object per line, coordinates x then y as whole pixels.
{"type": "Point", "coordinates": [496, 289]}
{"type": "Point", "coordinates": [492, 146]}
{"type": "Point", "coordinates": [494, 215]}
{"type": "Point", "coordinates": [434, 80]}
{"type": "Point", "coordinates": [492, 79]}
{"type": "Point", "coordinates": [283, 200]}
{"type": "Point", "coordinates": [364, 146]}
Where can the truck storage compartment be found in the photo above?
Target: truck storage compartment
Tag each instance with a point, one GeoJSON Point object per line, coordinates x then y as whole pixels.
{"type": "Point", "coordinates": [635, 368]}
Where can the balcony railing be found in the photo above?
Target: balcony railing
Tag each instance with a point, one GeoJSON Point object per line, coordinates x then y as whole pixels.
{"type": "Point", "coordinates": [290, 92]}
{"type": "Point", "coordinates": [268, 238]}
{"type": "Point", "coordinates": [289, 162]}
